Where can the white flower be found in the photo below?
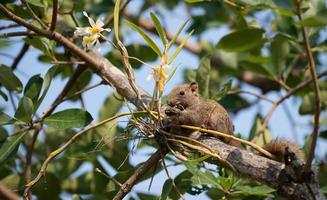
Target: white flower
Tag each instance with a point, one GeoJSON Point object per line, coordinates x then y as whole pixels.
{"type": "Point", "coordinates": [158, 74]}
{"type": "Point", "coordinates": [92, 33]}
{"type": "Point", "coordinates": [91, 41]}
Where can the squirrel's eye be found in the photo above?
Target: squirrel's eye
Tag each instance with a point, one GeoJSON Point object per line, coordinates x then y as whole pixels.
{"type": "Point", "coordinates": [181, 92]}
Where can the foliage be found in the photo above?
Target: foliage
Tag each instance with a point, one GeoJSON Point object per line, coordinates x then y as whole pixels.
{"type": "Point", "coordinates": [262, 49]}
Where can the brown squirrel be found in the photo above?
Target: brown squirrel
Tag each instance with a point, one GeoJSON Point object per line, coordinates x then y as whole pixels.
{"type": "Point", "coordinates": [187, 107]}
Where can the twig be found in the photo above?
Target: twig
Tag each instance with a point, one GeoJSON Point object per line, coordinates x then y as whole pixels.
{"type": "Point", "coordinates": [281, 99]}
{"type": "Point", "coordinates": [33, 13]}
{"type": "Point", "coordinates": [110, 18]}
{"type": "Point", "coordinates": [20, 56]}
{"type": "Point", "coordinates": [6, 193]}
{"type": "Point", "coordinates": [27, 169]}
{"type": "Point", "coordinates": [54, 15]}
{"type": "Point", "coordinates": [17, 34]}
{"type": "Point", "coordinates": [109, 177]}
{"type": "Point", "coordinates": [82, 91]}
{"type": "Point", "coordinates": [57, 62]}
{"type": "Point", "coordinates": [259, 96]}
{"type": "Point", "coordinates": [61, 149]}
{"type": "Point", "coordinates": [138, 174]}
{"type": "Point", "coordinates": [9, 26]}
{"type": "Point", "coordinates": [312, 68]}
{"type": "Point", "coordinates": [220, 134]}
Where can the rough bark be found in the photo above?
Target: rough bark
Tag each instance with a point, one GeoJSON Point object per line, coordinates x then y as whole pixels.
{"type": "Point", "coordinates": [274, 174]}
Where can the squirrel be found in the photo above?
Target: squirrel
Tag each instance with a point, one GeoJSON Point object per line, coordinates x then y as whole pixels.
{"type": "Point", "coordinates": [187, 107]}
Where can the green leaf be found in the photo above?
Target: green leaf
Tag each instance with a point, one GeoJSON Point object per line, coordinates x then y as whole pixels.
{"type": "Point", "coordinates": [317, 20]}
{"type": "Point", "coordinates": [279, 49]}
{"type": "Point", "coordinates": [9, 80]}
{"type": "Point", "coordinates": [179, 48]}
{"type": "Point", "coordinates": [33, 87]}
{"type": "Point", "coordinates": [176, 35]}
{"type": "Point", "coordinates": [258, 190]}
{"type": "Point", "coordinates": [307, 106]}
{"type": "Point", "coordinates": [242, 40]}
{"type": "Point", "coordinates": [223, 91]}
{"type": "Point", "coordinates": [116, 19]}
{"type": "Point", "coordinates": [171, 74]}
{"type": "Point", "coordinates": [10, 146]}
{"type": "Point", "coordinates": [150, 42]}
{"type": "Point", "coordinates": [257, 2]}
{"type": "Point", "coordinates": [36, 3]}
{"type": "Point", "coordinates": [258, 69]}
{"type": "Point", "coordinates": [70, 118]}
{"type": "Point", "coordinates": [43, 44]}
{"type": "Point", "coordinates": [193, 1]}
{"type": "Point", "coordinates": [3, 135]}
{"type": "Point", "coordinates": [159, 28]}
{"type": "Point", "coordinates": [53, 183]}
{"type": "Point", "coordinates": [46, 84]}
{"type": "Point", "coordinates": [110, 107]}
{"type": "Point", "coordinates": [168, 185]}
{"type": "Point", "coordinates": [264, 138]}
{"type": "Point", "coordinates": [203, 76]}
{"type": "Point", "coordinates": [25, 110]}
{"type": "Point", "coordinates": [6, 119]}
{"type": "Point", "coordinates": [200, 177]}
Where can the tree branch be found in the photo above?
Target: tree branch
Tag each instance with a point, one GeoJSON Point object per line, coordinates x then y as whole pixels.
{"type": "Point", "coordinates": [54, 15]}
{"type": "Point", "coordinates": [20, 56]}
{"type": "Point", "coordinates": [269, 172]}
{"type": "Point", "coordinates": [99, 64]}
{"type": "Point", "coordinates": [138, 174]}
{"type": "Point", "coordinates": [312, 67]}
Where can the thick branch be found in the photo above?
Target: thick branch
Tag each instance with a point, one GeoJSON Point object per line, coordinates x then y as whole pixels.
{"type": "Point", "coordinates": [266, 171]}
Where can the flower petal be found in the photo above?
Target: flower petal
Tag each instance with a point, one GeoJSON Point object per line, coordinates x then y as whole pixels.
{"type": "Point", "coordinates": [107, 29]}
{"type": "Point", "coordinates": [80, 31]}
{"type": "Point", "coordinates": [99, 23]}
{"type": "Point", "coordinates": [85, 14]}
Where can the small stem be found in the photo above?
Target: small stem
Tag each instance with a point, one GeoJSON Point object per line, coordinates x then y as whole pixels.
{"type": "Point", "coordinates": [54, 15]}
{"type": "Point", "coordinates": [33, 13]}
{"type": "Point", "coordinates": [18, 34]}
{"type": "Point", "coordinates": [220, 134]}
{"type": "Point", "coordinates": [284, 97]}
{"type": "Point", "coordinates": [20, 56]}
{"type": "Point", "coordinates": [28, 164]}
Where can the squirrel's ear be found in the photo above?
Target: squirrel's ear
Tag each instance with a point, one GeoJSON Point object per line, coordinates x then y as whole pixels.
{"type": "Point", "coordinates": [194, 87]}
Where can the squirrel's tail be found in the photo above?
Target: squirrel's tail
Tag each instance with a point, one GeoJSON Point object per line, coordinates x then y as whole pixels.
{"type": "Point", "coordinates": [278, 147]}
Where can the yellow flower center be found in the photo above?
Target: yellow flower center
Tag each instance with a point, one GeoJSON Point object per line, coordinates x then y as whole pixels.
{"type": "Point", "coordinates": [88, 39]}
{"type": "Point", "coordinates": [94, 30]}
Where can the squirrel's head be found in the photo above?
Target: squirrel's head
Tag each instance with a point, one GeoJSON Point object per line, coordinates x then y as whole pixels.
{"type": "Point", "coordinates": [183, 96]}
